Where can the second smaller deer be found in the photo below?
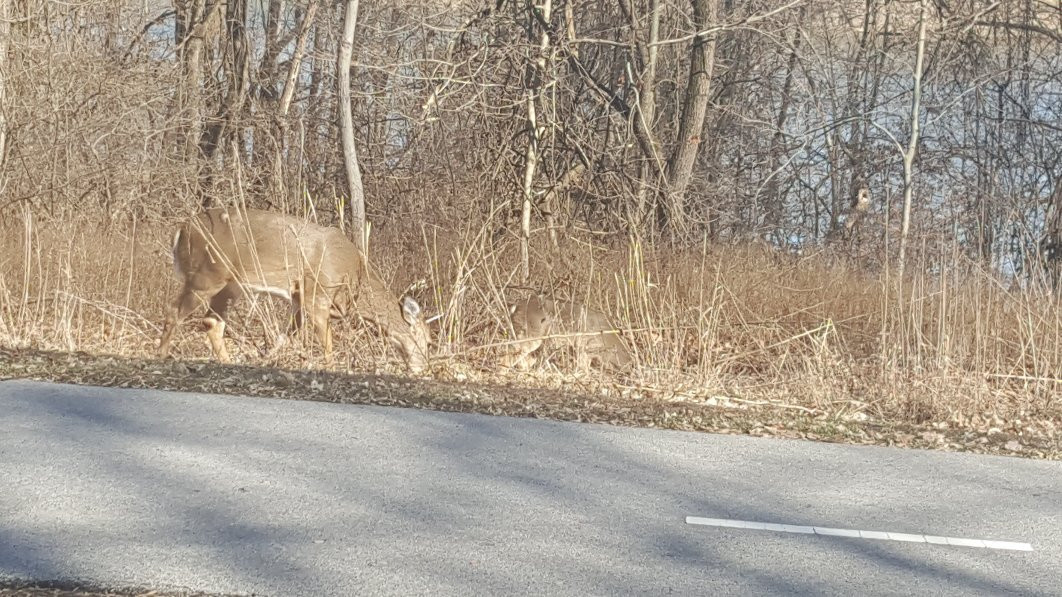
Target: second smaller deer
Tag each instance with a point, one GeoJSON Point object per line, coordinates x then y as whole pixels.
{"type": "Point", "coordinates": [538, 319]}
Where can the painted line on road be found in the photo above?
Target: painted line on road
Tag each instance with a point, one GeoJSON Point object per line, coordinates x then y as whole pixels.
{"type": "Point", "coordinates": [856, 534]}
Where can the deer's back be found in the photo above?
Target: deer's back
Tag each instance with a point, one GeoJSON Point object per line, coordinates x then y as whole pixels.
{"type": "Point", "coordinates": [568, 321]}
{"type": "Point", "coordinates": [265, 249]}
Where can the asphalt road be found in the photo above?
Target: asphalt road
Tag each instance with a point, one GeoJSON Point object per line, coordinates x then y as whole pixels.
{"type": "Point", "coordinates": [251, 495]}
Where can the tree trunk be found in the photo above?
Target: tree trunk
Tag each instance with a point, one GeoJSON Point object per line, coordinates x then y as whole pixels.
{"type": "Point", "coordinates": [912, 145]}
{"type": "Point", "coordinates": [535, 132]}
{"type": "Point", "coordinates": [284, 105]}
{"type": "Point", "coordinates": [774, 197]}
{"type": "Point", "coordinates": [290, 82]}
{"type": "Point", "coordinates": [530, 163]}
{"type": "Point", "coordinates": [273, 27]}
{"type": "Point", "coordinates": [5, 34]}
{"type": "Point", "coordinates": [238, 75]}
{"type": "Point", "coordinates": [691, 123]}
{"type": "Point", "coordinates": [645, 119]}
{"type": "Point", "coordinates": [350, 157]}
{"type": "Point", "coordinates": [193, 18]}
{"type": "Point", "coordinates": [1051, 245]}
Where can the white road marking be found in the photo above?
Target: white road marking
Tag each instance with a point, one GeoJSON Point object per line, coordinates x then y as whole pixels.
{"type": "Point", "coordinates": [880, 535]}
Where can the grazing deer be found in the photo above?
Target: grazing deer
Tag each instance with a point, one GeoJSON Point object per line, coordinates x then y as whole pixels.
{"type": "Point", "coordinates": [223, 254]}
{"type": "Point", "coordinates": [589, 332]}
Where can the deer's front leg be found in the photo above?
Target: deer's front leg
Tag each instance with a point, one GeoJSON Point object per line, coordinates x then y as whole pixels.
{"type": "Point", "coordinates": [321, 318]}
{"type": "Point", "coordinates": [183, 307]}
{"type": "Point", "coordinates": [520, 356]}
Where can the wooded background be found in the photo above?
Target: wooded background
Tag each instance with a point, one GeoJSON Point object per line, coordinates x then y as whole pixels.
{"type": "Point", "coordinates": [789, 123]}
{"type": "Point", "coordinates": [847, 208]}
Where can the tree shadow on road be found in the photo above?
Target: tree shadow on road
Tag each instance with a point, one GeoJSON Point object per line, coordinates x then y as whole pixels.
{"type": "Point", "coordinates": [269, 495]}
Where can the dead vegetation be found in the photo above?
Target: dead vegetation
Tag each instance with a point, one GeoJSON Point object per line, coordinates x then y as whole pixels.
{"type": "Point", "coordinates": [720, 327]}
{"type": "Point", "coordinates": [733, 185]}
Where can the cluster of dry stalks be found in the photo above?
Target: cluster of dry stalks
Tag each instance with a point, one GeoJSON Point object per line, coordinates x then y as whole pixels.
{"type": "Point", "coordinates": [733, 325]}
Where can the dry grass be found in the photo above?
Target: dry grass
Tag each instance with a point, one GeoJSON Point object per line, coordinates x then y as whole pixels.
{"type": "Point", "coordinates": [719, 325]}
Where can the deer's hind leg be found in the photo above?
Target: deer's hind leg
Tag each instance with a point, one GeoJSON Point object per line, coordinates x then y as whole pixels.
{"type": "Point", "coordinates": [296, 315]}
{"type": "Point", "coordinates": [214, 320]}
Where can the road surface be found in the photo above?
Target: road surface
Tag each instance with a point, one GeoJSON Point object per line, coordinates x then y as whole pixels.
{"type": "Point", "coordinates": [251, 495]}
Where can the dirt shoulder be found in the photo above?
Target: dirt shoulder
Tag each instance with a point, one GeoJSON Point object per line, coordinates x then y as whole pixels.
{"type": "Point", "coordinates": [1030, 440]}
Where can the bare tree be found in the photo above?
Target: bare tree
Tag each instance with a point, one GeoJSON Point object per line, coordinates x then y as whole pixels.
{"type": "Point", "coordinates": [739, 119]}
{"type": "Point", "coordinates": [1051, 245]}
{"type": "Point", "coordinates": [192, 20]}
{"type": "Point", "coordinates": [283, 124]}
{"type": "Point", "coordinates": [694, 107]}
{"type": "Point", "coordinates": [223, 125]}
{"type": "Point", "coordinates": [542, 12]}
{"type": "Point", "coordinates": [775, 201]}
{"type": "Point", "coordinates": [5, 34]}
{"type": "Point", "coordinates": [912, 144]}
{"type": "Point", "coordinates": [350, 156]}
{"type": "Point", "coordinates": [652, 168]}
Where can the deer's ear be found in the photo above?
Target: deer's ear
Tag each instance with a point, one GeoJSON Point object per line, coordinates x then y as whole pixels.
{"type": "Point", "coordinates": [512, 309]}
{"type": "Point", "coordinates": [410, 310]}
